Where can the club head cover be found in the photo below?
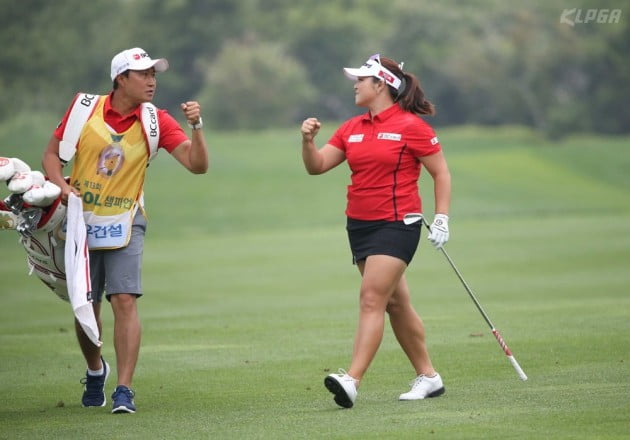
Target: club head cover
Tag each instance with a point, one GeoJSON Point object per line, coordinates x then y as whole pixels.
{"type": "Point", "coordinates": [7, 168]}
{"type": "Point", "coordinates": [20, 182]}
{"type": "Point", "coordinates": [20, 165]}
{"type": "Point", "coordinates": [51, 192]}
{"type": "Point", "coordinates": [42, 196]}
{"type": "Point", "coordinates": [38, 178]}
{"type": "Point", "coordinates": [34, 196]}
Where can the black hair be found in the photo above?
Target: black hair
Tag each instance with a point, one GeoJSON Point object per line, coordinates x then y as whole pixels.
{"type": "Point", "coordinates": [115, 85]}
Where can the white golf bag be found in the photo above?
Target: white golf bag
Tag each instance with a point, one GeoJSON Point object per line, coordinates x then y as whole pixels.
{"type": "Point", "coordinates": [45, 247]}
{"type": "Point", "coordinates": [35, 211]}
{"type": "Point", "coordinates": [39, 222]}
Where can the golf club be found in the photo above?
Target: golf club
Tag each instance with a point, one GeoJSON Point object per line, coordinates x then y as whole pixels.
{"type": "Point", "coordinates": [495, 332]}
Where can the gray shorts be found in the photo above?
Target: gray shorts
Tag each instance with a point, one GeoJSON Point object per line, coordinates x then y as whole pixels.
{"type": "Point", "coordinates": [119, 270]}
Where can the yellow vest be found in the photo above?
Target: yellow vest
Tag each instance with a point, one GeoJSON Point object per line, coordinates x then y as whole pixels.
{"type": "Point", "coordinates": [109, 170]}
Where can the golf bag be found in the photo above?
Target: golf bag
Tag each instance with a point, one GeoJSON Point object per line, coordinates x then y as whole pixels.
{"type": "Point", "coordinates": [42, 234]}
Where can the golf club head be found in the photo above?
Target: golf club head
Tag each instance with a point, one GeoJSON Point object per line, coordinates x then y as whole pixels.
{"type": "Point", "coordinates": [412, 217]}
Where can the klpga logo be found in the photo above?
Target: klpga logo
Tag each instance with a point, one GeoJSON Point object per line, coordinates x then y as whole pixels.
{"type": "Point", "coordinates": [582, 16]}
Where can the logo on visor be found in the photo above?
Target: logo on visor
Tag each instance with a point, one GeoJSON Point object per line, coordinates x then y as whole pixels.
{"type": "Point", "coordinates": [389, 79]}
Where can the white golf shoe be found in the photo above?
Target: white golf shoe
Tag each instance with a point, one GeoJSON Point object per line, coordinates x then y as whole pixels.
{"type": "Point", "coordinates": [343, 386]}
{"type": "Point", "coordinates": [423, 386]}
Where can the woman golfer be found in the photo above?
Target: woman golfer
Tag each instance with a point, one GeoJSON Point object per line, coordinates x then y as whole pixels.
{"type": "Point", "coordinates": [385, 149]}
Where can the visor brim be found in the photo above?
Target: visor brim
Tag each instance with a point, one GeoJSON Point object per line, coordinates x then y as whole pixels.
{"type": "Point", "coordinates": [354, 74]}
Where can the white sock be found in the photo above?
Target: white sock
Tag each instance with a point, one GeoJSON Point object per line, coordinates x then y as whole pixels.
{"type": "Point", "coordinates": [96, 372]}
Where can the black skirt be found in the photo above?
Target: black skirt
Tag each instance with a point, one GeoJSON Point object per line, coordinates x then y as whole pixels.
{"type": "Point", "coordinates": [381, 237]}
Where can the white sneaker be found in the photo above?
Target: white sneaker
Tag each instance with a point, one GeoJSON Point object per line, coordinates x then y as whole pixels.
{"type": "Point", "coordinates": [343, 386]}
{"type": "Point", "coordinates": [423, 386]}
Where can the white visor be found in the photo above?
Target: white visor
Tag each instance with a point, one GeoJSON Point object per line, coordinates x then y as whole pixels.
{"type": "Point", "coordinates": [373, 68]}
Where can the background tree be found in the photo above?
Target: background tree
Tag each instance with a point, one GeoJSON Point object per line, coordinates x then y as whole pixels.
{"type": "Point", "coordinates": [254, 85]}
{"type": "Point", "coordinates": [486, 62]}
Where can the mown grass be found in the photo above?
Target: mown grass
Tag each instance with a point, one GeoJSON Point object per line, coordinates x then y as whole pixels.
{"type": "Point", "coordinates": [251, 300]}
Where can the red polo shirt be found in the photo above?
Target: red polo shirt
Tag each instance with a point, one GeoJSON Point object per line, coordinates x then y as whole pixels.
{"type": "Point", "coordinates": [171, 133]}
{"type": "Point", "coordinates": [382, 153]}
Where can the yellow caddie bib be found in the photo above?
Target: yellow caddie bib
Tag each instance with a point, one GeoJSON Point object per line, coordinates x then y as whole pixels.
{"type": "Point", "coordinates": [109, 170]}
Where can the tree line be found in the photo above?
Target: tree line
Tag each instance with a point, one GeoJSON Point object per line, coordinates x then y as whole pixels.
{"type": "Point", "coordinates": [263, 63]}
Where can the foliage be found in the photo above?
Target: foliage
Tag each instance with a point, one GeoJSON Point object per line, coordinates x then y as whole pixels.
{"type": "Point", "coordinates": [254, 85]}
{"type": "Point", "coordinates": [45, 57]}
{"type": "Point", "coordinates": [487, 62]}
{"type": "Point", "coordinates": [187, 32]}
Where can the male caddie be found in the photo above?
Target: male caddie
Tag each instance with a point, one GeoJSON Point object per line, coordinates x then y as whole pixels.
{"type": "Point", "coordinates": [111, 139]}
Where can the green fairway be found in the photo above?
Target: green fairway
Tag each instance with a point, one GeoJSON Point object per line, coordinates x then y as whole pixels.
{"type": "Point", "coordinates": [251, 300]}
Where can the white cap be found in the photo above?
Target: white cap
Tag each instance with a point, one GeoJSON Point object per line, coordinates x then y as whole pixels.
{"type": "Point", "coordinates": [373, 67]}
{"type": "Point", "coordinates": [136, 59]}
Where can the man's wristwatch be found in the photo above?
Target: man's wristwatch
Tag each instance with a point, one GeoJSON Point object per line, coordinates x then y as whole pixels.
{"type": "Point", "coordinates": [196, 126]}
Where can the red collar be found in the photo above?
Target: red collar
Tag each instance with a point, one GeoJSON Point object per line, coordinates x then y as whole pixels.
{"type": "Point", "coordinates": [111, 114]}
{"type": "Point", "coordinates": [384, 115]}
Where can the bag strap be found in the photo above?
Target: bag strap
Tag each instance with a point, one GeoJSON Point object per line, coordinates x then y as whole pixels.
{"type": "Point", "coordinates": [81, 110]}
{"type": "Point", "coordinates": [151, 128]}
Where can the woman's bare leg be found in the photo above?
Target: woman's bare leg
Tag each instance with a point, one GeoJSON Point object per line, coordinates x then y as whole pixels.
{"type": "Point", "coordinates": [409, 329]}
{"type": "Point", "coordinates": [381, 275]}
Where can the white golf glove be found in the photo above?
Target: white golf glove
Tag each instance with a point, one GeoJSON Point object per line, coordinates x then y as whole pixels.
{"type": "Point", "coordinates": [439, 231]}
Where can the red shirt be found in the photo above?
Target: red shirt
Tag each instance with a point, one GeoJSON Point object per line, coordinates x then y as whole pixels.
{"type": "Point", "coordinates": [383, 153]}
{"type": "Point", "coordinates": [171, 133]}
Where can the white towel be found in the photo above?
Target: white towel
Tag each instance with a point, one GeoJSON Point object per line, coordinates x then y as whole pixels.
{"type": "Point", "coordinates": [77, 259]}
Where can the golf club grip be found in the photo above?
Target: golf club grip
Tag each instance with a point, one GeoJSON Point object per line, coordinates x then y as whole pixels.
{"type": "Point", "coordinates": [508, 353]}
{"type": "Point", "coordinates": [517, 367]}
{"type": "Point", "coordinates": [501, 342]}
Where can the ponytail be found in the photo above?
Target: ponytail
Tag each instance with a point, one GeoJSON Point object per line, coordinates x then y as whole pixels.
{"type": "Point", "coordinates": [410, 95]}
{"type": "Point", "coordinates": [412, 98]}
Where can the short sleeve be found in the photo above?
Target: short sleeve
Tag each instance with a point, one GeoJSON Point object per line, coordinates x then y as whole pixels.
{"type": "Point", "coordinates": [422, 140]}
{"type": "Point", "coordinates": [338, 139]}
{"type": "Point", "coordinates": [171, 133]}
{"type": "Point", "coordinates": [59, 130]}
